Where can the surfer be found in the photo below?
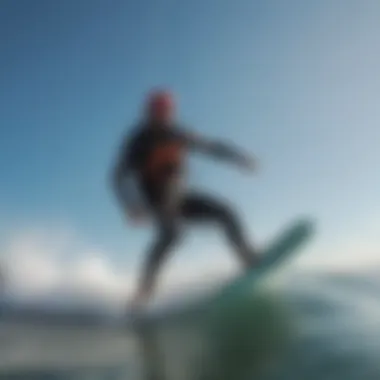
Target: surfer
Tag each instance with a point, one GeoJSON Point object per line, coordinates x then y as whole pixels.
{"type": "Point", "coordinates": [152, 156]}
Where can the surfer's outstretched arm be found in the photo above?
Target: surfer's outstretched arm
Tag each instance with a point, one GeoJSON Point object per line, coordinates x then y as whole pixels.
{"type": "Point", "coordinates": [220, 150]}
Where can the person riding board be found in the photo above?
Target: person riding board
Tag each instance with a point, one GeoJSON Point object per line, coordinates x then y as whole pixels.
{"type": "Point", "coordinates": [154, 156]}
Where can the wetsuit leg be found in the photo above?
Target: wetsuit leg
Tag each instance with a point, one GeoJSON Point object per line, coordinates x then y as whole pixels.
{"type": "Point", "coordinates": [195, 207]}
{"type": "Point", "coordinates": [168, 229]}
{"type": "Point", "coordinates": [201, 207]}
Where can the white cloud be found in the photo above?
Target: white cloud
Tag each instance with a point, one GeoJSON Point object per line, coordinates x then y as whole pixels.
{"type": "Point", "coordinates": [50, 264]}
{"type": "Point", "coordinates": [44, 262]}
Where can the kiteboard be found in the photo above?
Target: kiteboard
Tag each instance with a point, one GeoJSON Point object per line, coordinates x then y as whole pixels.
{"type": "Point", "coordinates": [282, 247]}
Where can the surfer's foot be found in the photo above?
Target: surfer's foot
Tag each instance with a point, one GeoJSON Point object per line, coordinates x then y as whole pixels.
{"type": "Point", "coordinates": [255, 260]}
{"type": "Point", "coordinates": [135, 307]}
{"type": "Point", "coordinates": [137, 303]}
{"type": "Point", "coordinates": [134, 311]}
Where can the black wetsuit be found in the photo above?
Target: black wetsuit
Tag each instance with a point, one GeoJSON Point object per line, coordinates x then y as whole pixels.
{"type": "Point", "coordinates": [155, 156]}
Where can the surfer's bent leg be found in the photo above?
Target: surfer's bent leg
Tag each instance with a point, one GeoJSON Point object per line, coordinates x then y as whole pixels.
{"type": "Point", "coordinates": [168, 235]}
{"type": "Point", "coordinates": [203, 207]}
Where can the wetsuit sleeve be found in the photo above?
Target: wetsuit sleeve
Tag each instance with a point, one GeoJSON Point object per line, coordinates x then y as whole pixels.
{"type": "Point", "coordinates": [214, 148]}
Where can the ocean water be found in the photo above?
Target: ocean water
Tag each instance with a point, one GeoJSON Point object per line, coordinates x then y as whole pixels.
{"type": "Point", "coordinates": [300, 327]}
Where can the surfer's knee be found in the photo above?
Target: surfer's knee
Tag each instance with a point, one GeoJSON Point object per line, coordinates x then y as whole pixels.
{"type": "Point", "coordinates": [228, 218]}
{"type": "Point", "coordinates": [170, 235]}
{"type": "Point", "coordinates": [166, 239]}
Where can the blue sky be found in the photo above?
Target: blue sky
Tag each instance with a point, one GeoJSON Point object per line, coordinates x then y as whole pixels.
{"type": "Point", "coordinates": [294, 82]}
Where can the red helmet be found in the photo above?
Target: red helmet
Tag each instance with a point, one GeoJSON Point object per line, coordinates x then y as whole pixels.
{"type": "Point", "coordinates": [160, 105]}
